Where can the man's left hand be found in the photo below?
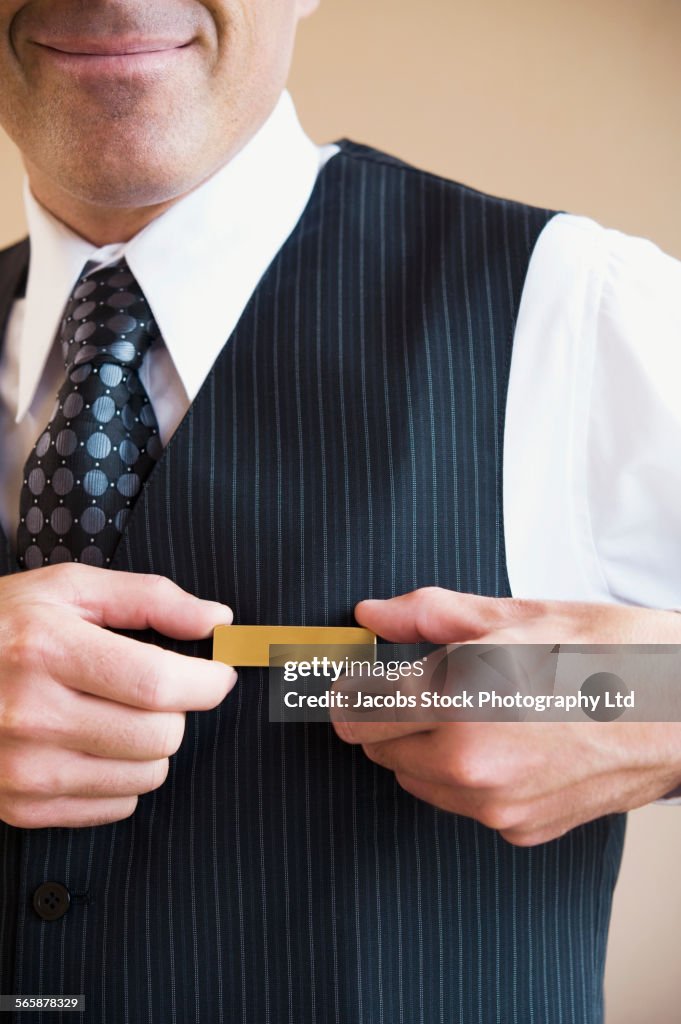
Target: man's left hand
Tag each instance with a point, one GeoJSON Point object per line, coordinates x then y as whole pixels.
{"type": "Point", "coordinates": [532, 781]}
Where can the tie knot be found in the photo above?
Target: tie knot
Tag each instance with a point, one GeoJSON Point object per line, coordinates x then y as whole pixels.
{"type": "Point", "coordinates": [107, 320]}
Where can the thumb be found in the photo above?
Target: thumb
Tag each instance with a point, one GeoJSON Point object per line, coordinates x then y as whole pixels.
{"type": "Point", "coordinates": [434, 615]}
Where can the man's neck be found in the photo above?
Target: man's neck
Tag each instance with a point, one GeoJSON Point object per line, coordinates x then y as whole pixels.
{"type": "Point", "coordinates": [100, 225]}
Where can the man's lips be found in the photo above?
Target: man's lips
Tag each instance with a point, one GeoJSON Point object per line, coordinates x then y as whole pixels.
{"type": "Point", "coordinates": [118, 47]}
{"type": "Point", "coordinates": [99, 59]}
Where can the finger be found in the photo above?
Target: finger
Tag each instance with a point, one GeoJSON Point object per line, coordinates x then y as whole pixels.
{"type": "Point", "coordinates": [456, 801]}
{"type": "Point", "coordinates": [90, 725]}
{"type": "Point", "coordinates": [519, 823]}
{"type": "Point", "coordinates": [125, 600]}
{"type": "Point", "coordinates": [426, 757]}
{"type": "Point", "coordinates": [54, 773]}
{"type": "Point", "coordinates": [444, 757]}
{"type": "Point", "coordinates": [378, 732]}
{"type": "Point", "coordinates": [439, 616]}
{"type": "Point", "coordinates": [70, 812]}
{"type": "Point", "coordinates": [138, 674]}
{"type": "Point", "coordinates": [438, 768]}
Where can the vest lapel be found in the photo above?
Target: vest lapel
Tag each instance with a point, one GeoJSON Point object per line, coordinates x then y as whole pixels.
{"type": "Point", "coordinates": [13, 268]}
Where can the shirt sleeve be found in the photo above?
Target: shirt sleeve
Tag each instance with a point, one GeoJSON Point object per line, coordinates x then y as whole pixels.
{"type": "Point", "coordinates": [592, 468]}
{"type": "Point", "coordinates": [633, 458]}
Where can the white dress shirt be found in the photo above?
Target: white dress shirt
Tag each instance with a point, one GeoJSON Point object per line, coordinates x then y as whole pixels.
{"type": "Point", "coordinates": [592, 442]}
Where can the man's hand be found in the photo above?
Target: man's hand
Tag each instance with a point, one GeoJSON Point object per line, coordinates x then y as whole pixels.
{"type": "Point", "coordinates": [533, 781]}
{"type": "Point", "coordinates": [88, 719]}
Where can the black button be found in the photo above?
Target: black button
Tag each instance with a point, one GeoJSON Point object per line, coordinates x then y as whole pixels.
{"type": "Point", "coordinates": [51, 900]}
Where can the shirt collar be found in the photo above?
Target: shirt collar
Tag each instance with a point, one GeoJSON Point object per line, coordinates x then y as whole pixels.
{"type": "Point", "coordinates": [197, 263]}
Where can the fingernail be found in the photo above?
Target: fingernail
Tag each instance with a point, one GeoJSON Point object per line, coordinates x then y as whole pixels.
{"type": "Point", "coordinates": [223, 609]}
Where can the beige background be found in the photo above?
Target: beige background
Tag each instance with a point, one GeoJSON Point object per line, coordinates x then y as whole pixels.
{"type": "Point", "coordinates": [571, 104]}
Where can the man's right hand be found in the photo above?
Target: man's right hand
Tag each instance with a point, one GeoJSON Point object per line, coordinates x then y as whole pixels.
{"type": "Point", "coordinates": [88, 718]}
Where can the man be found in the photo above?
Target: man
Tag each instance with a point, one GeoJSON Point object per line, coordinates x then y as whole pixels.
{"type": "Point", "coordinates": [281, 375]}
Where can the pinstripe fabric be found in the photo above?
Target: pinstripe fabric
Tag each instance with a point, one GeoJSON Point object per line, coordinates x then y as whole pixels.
{"type": "Point", "coordinates": [347, 444]}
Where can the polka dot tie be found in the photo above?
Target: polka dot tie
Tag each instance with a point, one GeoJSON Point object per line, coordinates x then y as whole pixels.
{"type": "Point", "coordinates": [87, 468]}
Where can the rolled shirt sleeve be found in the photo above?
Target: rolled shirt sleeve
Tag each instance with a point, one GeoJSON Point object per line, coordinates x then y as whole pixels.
{"type": "Point", "coordinates": [592, 452]}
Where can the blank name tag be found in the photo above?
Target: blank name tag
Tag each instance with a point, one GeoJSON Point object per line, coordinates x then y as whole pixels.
{"type": "Point", "coordinates": [249, 646]}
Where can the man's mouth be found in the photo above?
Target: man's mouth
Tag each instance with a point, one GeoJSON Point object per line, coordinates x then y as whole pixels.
{"type": "Point", "coordinates": [117, 47]}
{"type": "Point", "coordinates": [126, 54]}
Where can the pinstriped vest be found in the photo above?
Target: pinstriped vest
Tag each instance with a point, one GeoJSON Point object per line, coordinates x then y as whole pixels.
{"type": "Point", "coordinates": [346, 444]}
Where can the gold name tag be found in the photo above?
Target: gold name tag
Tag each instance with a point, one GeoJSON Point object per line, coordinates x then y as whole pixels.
{"type": "Point", "coordinates": [249, 646]}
